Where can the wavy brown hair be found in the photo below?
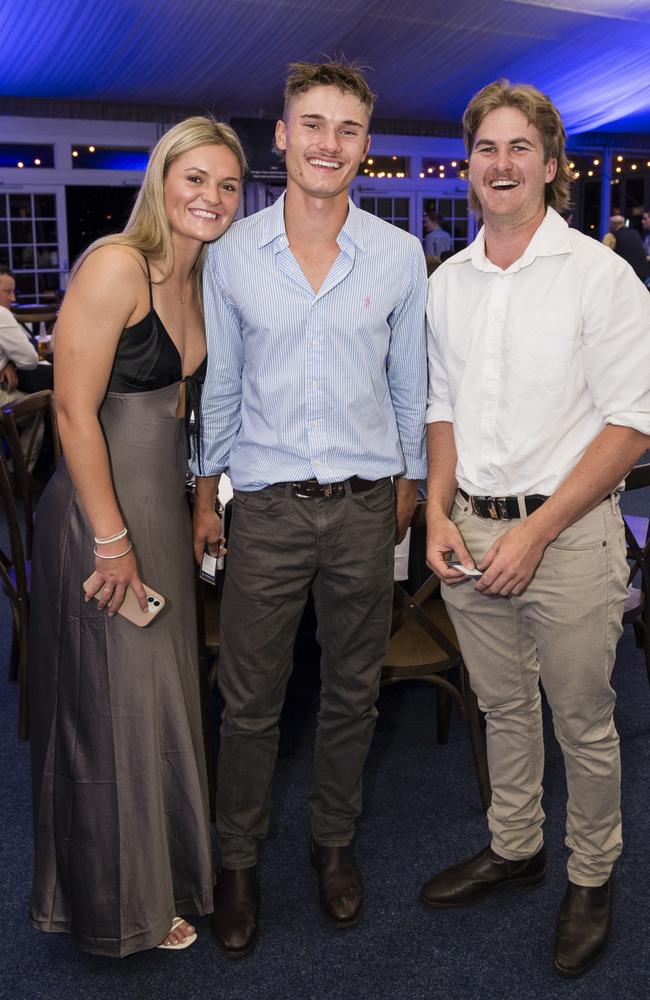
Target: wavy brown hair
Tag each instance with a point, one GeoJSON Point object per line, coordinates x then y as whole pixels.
{"type": "Point", "coordinates": [540, 112]}
{"type": "Point", "coordinates": [346, 76]}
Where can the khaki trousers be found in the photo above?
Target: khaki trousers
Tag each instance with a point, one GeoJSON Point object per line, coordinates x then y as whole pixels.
{"type": "Point", "coordinates": [563, 631]}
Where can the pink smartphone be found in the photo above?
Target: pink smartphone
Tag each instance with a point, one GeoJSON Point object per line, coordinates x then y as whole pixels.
{"type": "Point", "coordinates": [130, 608]}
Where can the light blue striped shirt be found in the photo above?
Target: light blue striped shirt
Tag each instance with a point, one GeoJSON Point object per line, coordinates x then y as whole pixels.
{"type": "Point", "coordinates": [304, 385]}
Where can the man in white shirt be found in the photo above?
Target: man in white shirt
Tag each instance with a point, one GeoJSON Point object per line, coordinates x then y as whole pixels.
{"type": "Point", "coordinates": [539, 404]}
{"type": "Point", "coordinates": [16, 350]}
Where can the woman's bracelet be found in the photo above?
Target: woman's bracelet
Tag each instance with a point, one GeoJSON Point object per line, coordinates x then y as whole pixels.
{"type": "Point", "coordinates": [117, 556]}
{"type": "Point", "coordinates": [113, 538]}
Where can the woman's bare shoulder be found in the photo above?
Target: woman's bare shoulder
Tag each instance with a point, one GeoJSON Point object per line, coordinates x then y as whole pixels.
{"type": "Point", "coordinates": [115, 260]}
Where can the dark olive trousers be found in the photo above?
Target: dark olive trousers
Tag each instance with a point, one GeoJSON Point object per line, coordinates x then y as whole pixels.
{"type": "Point", "coordinates": [279, 547]}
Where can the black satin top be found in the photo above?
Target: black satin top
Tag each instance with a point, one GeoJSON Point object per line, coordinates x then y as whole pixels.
{"type": "Point", "coordinates": [146, 357]}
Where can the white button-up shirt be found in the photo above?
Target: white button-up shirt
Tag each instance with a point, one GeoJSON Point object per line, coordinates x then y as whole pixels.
{"type": "Point", "coordinates": [530, 363]}
{"type": "Point", "coordinates": [14, 343]}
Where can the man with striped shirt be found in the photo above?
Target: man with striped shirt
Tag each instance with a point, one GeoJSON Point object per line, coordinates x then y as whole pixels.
{"type": "Point", "coordinates": [314, 401]}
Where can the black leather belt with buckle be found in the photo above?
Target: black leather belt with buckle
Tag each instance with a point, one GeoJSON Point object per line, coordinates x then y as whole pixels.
{"type": "Point", "coordinates": [503, 508]}
{"type": "Point", "coordinates": [311, 489]}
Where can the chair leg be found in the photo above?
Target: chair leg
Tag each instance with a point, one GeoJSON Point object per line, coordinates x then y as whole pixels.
{"type": "Point", "coordinates": [14, 658]}
{"type": "Point", "coordinates": [23, 696]}
{"type": "Point", "coordinates": [443, 712]}
{"type": "Point", "coordinates": [476, 739]}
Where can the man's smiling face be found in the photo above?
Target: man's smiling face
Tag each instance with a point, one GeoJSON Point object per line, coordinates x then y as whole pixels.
{"type": "Point", "coordinates": [324, 139]}
{"type": "Point", "coordinates": [507, 169]}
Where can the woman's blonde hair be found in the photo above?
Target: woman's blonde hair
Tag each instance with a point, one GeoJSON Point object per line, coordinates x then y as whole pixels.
{"type": "Point", "coordinates": [540, 112]}
{"type": "Point", "coordinates": [148, 229]}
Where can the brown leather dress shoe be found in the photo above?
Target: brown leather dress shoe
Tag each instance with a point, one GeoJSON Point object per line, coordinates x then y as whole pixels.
{"type": "Point", "coordinates": [466, 883]}
{"type": "Point", "coordinates": [234, 921]}
{"type": "Point", "coordinates": [582, 928]}
{"type": "Point", "coordinates": [339, 883]}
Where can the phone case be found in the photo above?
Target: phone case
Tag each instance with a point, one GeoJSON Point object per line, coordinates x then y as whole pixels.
{"type": "Point", "coordinates": [131, 610]}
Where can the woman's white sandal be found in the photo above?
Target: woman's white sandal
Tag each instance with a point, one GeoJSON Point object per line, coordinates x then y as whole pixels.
{"type": "Point", "coordinates": [185, 943]}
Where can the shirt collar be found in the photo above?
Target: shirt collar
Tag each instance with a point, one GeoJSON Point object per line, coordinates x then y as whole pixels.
{"type": "Point", "coordinates": [275, 229]}
{"type": "Point", "coordinates": [549, 240]}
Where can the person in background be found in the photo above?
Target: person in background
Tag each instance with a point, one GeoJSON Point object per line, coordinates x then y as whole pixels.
{"type": "Point", "coordinates": [539, 404]}
{"type": "Point", "coordinates": [313, 400]}
{"type": "Point", "coordinates": [436, 240]}
{"type": "Point", "coordinates": [17, 353]}
{"type": "Point", "coordinates": [629, 246]}
{"type": "Point", "coordinates": [121, 811]}
{"type": "Point", "coordinates": [645, 225]}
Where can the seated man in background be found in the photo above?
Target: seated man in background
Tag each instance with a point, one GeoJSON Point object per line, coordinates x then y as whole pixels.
{"type": "Point", "coordinates": [539, 405]}
{"type": "Point", "coordinates": [16, 350]}
{"type": "Point", "coordinates": [21, 374]}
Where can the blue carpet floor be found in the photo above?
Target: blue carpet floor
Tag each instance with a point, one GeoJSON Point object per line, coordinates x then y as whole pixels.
{"type": "Point", "coordinates": [422, 812]}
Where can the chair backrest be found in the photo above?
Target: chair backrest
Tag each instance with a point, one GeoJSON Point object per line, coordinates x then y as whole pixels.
{"type": "Point", "coordinates": [23, 423]}
{"type": "Point", "coordinates": [637, 536]}
{"type": "Point", "coordinates": [13, 572]}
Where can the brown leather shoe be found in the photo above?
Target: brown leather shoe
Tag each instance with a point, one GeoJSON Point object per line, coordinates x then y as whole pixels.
{"type": "Point", "coordinates": [339, 883]}
{"type": "Point", "coordinates": [466, 883]}
{"type": "Point", "coordinates": [234, 921]}
{"type": "Point", "coordinates": [582, 928]}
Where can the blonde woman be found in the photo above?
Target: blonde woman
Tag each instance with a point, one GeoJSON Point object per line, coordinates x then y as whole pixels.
{"type": "Point", "coordinates": [121, 813]}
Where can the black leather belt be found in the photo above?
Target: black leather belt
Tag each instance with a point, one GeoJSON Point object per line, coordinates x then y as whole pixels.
{"type": "Point", "coordinates": [311, 489]}
{"type": "Point", "coordinates": [503, 508]}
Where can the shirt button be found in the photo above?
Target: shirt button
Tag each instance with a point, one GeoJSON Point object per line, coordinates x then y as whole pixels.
{"type": "Point", "coordinates": [314, 385]}
{"type": "Point", "coordinates": [314, 342]}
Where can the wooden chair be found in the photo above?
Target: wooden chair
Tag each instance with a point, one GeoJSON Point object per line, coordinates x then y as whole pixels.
{"type": "Point", "coordinates": [15, 577]}
{"type": "Point", "coordinates": [423, 647]}
{"type": "Point", "coordinates": [637, 536]}
{"type": "Point", "coordinates": [24, 445]}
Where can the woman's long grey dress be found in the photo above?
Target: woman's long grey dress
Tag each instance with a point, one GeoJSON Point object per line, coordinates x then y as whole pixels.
{"type": "Point", "coordinates": [121, 815]}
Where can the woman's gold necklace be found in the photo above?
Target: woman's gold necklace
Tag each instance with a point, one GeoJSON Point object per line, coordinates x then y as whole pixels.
{"type": "Point", "coordinates": [180, 290]}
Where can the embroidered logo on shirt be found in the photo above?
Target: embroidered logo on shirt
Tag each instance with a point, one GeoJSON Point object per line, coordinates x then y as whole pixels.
{"type": "Point", "coordinates": [366, 302]}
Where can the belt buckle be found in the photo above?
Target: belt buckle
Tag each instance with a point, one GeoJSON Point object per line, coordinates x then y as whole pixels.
{"type": "Point", "coordinates": [491, 507]}
{"type": "Point", "coordinates": [327, 490]}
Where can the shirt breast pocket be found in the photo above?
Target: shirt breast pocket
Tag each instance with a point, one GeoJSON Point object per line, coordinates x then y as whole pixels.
{"type": "Point", "coordinates": [541, 351]}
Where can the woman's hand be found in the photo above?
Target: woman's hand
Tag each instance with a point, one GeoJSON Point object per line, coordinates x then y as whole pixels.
{"type": "Point", "coordinates": [113, 576]}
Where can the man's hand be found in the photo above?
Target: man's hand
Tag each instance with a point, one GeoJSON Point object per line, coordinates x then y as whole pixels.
{"type": "Point", "coordinates": [510, 563]}
{"type": "Point", "coordinates": [9, 377]}
{"type": "Point", "coordinates": [406, 496]}
{"type": "Point", "coordinates": [208, 533]}
{"type": "Point", "coordinates": [443, 538]}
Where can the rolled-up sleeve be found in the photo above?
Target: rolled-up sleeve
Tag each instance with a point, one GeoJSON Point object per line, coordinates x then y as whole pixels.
{"type": "Point", "coordinates": [222, 389]}
{"type": "Point", "coordinates": [407, 367]}
{"type": "Point", "coordinates": [616, 344]}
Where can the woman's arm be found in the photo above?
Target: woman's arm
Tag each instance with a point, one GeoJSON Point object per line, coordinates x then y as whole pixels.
{"type": "Point", "coordinates": [105, 295]}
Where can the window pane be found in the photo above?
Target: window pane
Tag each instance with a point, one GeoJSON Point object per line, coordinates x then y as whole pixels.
{"type": "Point", "coordinates": [4, 256]}
{"type": "Point", "coordinates": [47, 256]}
{"type": "Point", "coordinates": [48, 283]}
{"type": "Point", "coordinates": [368, 205]}
{"type": "Point", "coordinates": [21, 232]}
{"type": "Point", "coordinates": [44, 206]}
{"type": "Point", "coordinates": [401, 207]}
{"type": "Point", "coordinates": [402, 224]}
{"type": "Point", "coordinates": [4, 238]}
{"type": "Point", "coordinates": [25, 287]}
{"type": "Point", "coordinates": [23, 258]}
{"type": "Point", "coordinates": [20, 206]}
{"type": "Point", "coordinates": [45, 232]}
{"type": "Point", "coordinates": [3, 207]}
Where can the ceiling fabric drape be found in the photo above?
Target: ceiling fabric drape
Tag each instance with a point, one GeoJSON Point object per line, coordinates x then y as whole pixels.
{"type": "Point", "coordinates": [425, 58]}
